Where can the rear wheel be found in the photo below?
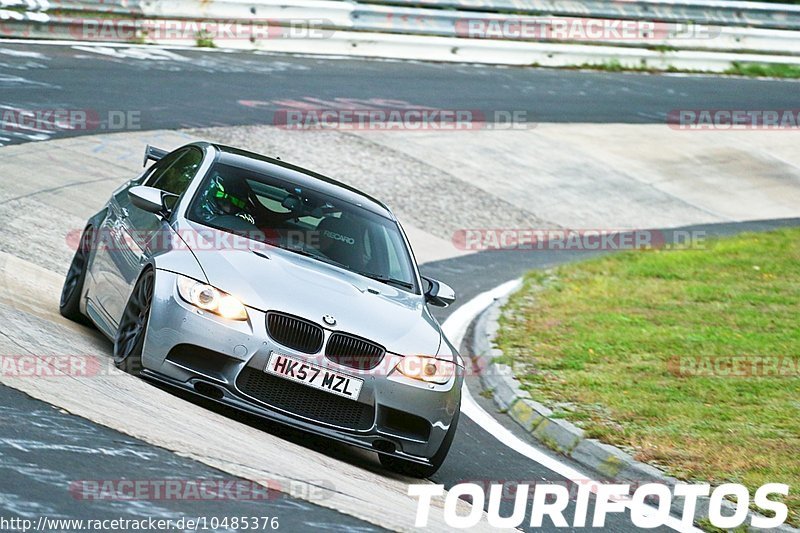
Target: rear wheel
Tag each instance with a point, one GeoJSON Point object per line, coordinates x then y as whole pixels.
{"type": "Point", "coordinates": [69, 305]}
{"type": "Point", "coordinates": [407, 468]}
{"type": "Point", "coordinates": [129, 340]}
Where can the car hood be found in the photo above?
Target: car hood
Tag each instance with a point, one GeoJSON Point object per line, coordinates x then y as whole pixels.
{"type": "Point", "coordinates": [278, 280]}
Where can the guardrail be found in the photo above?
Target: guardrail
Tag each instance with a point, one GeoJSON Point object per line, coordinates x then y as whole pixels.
{"type": "Point", "coordinates": [365, 17]}
{"type": "Point", "coordinates": [468, 24]}
{"type": "Point", "coordinates": [708, 12]}
{"type": "Point", "coordinates": [445, 49]}
{"type": "Point", "coordinates": [369, 28]}
{"type": "Point", "coordinates": [716, 12]}
{"type": "Point", "coordinates": [337, 12]}
{"type": "Point", "coordinates": [27, 5]}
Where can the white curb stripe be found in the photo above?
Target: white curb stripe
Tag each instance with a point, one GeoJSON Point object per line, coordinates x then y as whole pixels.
{"type": "Point", "coordinates": [455, 328]}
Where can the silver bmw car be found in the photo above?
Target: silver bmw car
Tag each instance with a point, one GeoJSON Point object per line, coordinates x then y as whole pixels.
{"type": "Point", "coordinates": [277, 291]}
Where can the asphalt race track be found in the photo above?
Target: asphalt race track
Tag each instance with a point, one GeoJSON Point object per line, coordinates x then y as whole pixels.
{"type": "Point", "coordinates": [69, 448]}
{"type": "Point", "coordinates": [171, 89]}
{"type": "Point", "coordinates": [42, 448]}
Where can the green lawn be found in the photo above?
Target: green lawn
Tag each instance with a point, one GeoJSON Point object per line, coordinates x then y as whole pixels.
{"type": "Point", "coordinates": [599, 341]}
{"type": "Point", "coordinates": [764, 70]}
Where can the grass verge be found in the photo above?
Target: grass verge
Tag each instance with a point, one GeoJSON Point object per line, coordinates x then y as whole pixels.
{"type": "Point", "coordinates": [613, 344]}
{"type": "Point", "coordinates": [764, 70]}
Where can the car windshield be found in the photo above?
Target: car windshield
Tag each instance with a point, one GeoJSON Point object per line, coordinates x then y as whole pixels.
{"type": "Point", "coordinates": [304, 221]}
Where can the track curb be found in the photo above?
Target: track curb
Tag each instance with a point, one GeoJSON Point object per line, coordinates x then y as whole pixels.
{"type": "Point", "coordinates": [562, 436]}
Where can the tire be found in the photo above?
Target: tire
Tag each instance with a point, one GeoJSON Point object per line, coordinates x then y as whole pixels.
{"type": "Point", "coordinates": [416, 470]}
{"type": "Point", "coordinates": [132, 330]}
{"type": "Point", "coordinates": [69, 306]}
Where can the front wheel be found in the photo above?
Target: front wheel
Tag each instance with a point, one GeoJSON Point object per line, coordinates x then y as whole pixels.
{"type": "Point", "coordinates": [129, 340]}
{"type": "Point", "coordinates": [407, 468]}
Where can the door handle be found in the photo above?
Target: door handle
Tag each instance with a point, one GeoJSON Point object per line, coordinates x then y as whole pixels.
{"type": "Point", "coordinates": [124, 213]}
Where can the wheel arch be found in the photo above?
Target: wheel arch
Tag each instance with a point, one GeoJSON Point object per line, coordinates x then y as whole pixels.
{"type": "Point", "coordinates": [96, 223]}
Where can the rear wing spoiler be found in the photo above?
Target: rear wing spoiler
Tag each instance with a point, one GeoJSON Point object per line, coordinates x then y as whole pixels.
{"type": "Point", "coordinates": [151, 153]}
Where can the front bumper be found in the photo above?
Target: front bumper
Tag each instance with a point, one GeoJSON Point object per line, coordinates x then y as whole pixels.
{"type": "Point", "coordinates": [224, 360]}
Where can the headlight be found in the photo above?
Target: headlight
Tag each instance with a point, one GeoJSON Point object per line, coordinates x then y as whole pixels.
{"type": "Point", "coordinates": [427, 369]}
{"type": "Point", "coordinates": [211, 299]}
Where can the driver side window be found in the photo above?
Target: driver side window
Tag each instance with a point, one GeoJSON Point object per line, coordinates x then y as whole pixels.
{"type": "Point", "coordinates": [176, 171]}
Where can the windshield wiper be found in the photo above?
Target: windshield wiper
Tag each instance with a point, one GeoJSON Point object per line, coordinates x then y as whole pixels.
{"type": "Point", "coordinates": [388, 280]}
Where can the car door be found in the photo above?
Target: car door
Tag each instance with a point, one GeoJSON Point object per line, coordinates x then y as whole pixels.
{"type": "Point", "coordinates": [135, 234]}
{"type": "Point", "coordinates": [104, 294]}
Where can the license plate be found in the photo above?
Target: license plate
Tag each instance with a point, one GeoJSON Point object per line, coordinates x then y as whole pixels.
{"type": "Point", "coordinates": [313, 375]}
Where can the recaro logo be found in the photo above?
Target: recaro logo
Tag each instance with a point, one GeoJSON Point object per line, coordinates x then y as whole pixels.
{"type": "Point", "coordinates": [339, 237]}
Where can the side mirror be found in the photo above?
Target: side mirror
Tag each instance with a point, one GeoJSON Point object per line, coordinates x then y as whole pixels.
{"type": "Point", "coordinates": [151, 199]}
{"type": "Point", "coordinates": [439, 294]}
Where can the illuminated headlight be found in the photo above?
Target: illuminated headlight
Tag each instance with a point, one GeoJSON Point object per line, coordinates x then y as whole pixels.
{"type": "Point", "coordinates": [427, 369]}
{"type": "Point", "coordinates": [211, 299]}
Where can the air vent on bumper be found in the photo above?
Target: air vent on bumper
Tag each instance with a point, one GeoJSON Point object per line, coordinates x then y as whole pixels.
{"type": "Point", "coordinates": [304, 401]}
